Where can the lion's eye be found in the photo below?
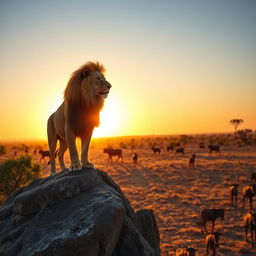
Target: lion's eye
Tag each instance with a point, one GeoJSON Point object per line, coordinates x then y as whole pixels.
{"type": "Point", "coordinates": [99, 78]}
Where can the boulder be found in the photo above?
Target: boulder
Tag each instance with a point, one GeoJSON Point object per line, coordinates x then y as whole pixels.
{"type": "Point", "coordinates": [73, 213]}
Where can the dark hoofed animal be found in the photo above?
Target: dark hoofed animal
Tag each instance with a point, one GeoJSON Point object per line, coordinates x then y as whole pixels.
{"type": "Point", "coordinates": [156, 150]}
{"type": "Point", "coordinates": [233, 193]}
{"type": "Point", "coordinates": [113, 152]}
{"type": "Point", "coordinates": [249, 192]}
{"type": "Point", "coordinates": [201, 145]}
{"type": "Point", "coordinates": [180, 151]}
{"type": "Point", "coordinates": [253, 177]}
{"type": "Point", "coordinates": [250, 223]}
{"type": "Point", "coordinates": [191, 160]}
{"type": "Point", "coordinates": [46, 153]}
{"type": "Point", "coordinates": [168, 148]}
{"type": "Point", "coordinates": [188, 251]}
{"type": "Point", "coordinates": [214, 148]}
{"type": "Point", "coordinates": [135, 158]}
{"type": "Point", "coordinates": [207, 215]}
{"type": "Point", "coordinates": [212, 242]}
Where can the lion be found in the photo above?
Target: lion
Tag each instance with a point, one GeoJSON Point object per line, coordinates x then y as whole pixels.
{"type": "Point", "coordinates": [77, 116]}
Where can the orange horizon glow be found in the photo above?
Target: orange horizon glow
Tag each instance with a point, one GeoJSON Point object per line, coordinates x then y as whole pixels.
{"type": "Point", "coordinates": [188, 70]}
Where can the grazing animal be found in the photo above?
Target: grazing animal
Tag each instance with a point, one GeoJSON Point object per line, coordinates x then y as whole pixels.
{"type": "Point", "coordinates": [212, 242]}
{"type": "Point", "coordinates": [168, 148]}
{"type": "Point", "coordinates": [201, 145]}
{"type": "Point", "coordinates": [78, 115]}
{"type": "Point", "coordinates": [250, 223]}
{"type": "Point", "coordinates": [210, 215]}
{"type": "Point", "coordinates": [135, 158]}
{"type": "Point", "coordinates": [113, 152]}
{"type": "Point", "coordinates": [214, 148]}
{"type": "Point", "coordinates": [44, 153]}
{"type": "Point", "coordinates": [191, 160]}
{"type": "Point", "coordinates": [179, 150]}
{"type": "Point", "coordinates": [253, 177]}
{"type": "Point", "coordinates": [249, 192]}
{"type": "Point", "coordinates": [156, 150]}
{"type": "Point", "coordinates": [233, 193]}
{"type": "Point", "coordinates": [188, 251]}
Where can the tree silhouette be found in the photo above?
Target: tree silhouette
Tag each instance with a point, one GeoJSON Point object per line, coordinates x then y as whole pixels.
{"type": "Point", "coordinates": [236, 123]}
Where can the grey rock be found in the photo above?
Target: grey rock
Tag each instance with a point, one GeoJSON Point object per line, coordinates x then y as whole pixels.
{"type": "Point", "coordinates": [149, 229]}
{"type": "Point", "coordinates": [70, 214]}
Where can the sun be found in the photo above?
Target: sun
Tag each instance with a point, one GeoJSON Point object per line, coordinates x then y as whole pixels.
{"type": "Point", "coordinates": [110, 120]}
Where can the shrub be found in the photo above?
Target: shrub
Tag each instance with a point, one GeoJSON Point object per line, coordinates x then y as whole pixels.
{"type": "Point", "coordinates": [15, 173]}
{"type": "Point", "coordinates": [2, 150]}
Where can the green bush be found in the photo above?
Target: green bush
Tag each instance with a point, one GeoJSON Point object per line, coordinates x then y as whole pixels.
{"type": "Point", "coordinates": [15, 173]}
{"type": "Point", "coordinates": [2, 150]}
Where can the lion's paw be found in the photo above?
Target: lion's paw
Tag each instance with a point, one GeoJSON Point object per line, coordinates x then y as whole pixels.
{"type": "Point", "coordinates": [75, 167]}
{"type": "Point", "coordinates": [88, 166]}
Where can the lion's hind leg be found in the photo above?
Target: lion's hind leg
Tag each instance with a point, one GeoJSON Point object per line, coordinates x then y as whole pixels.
{"type": "Point", "coordinates": [63, 148]}
{"type": "Point", "coordinates": [52, 142]}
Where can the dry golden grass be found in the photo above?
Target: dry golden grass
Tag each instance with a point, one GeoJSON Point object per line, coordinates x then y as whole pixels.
{"type": "Point", "coordinates": [174, 191]}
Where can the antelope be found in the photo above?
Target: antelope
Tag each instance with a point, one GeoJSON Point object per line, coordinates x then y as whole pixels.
{"type": "Point", "coordinates": [253, 177]}
{"type": "Point", "coordinates": [188, 251]}
{"type": "Point", "coordinates": [249, 192]}
{"type": "Point", "coordinates": [212, 242]}
{"type": "Point", "coordinates": [135, 158]}
{"type": "Point", "coordinates": [191, 160]}
{"type": "Point", "coordinates": [250, 223]}
{"type": "Point", "coordinates": [233, 193]}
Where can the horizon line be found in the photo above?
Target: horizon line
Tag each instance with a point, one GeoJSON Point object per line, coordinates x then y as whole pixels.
{"type": "Point", "coordinates": [117, 136]}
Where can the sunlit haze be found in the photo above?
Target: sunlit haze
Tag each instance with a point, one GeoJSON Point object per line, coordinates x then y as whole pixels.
{"type": "Point", "coordinates": [176, 67]}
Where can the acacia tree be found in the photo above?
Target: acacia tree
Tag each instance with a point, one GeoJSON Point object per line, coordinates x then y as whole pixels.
{"type": "Point", "coordinates": [236, 123]}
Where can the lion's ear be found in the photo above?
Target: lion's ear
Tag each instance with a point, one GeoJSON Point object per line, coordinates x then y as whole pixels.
{"type": "Point", "coordinates": [85, 72]}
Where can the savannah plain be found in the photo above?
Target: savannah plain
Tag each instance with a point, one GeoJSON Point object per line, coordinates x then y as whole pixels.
{"type": "Point", "coordinates": [174, 191]}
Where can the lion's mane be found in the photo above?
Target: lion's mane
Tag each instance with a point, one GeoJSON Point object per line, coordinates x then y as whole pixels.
{"type": "Point", "coordinates": [83, 107]}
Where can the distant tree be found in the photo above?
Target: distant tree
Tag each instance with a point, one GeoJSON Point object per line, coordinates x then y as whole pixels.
{"type": "Point", "coordinates": [15, 173]}
{"type": "Point", "coordinates": [243, 134]}
{"type": "Point", "coordinates": [236, 123]}
{"type": "Point", "coordinates": [2, 150]}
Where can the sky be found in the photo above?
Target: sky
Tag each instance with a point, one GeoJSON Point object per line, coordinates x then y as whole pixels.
{"type": "Point", "coordinates": [176, 66]}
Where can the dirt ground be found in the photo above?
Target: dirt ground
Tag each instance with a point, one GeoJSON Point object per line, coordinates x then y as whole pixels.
{"type": "Point", "coordinates": [175, 192]}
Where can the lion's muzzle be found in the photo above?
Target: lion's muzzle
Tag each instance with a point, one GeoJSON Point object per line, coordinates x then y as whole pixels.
{"type": "Point", "coordinates": [104, 93]}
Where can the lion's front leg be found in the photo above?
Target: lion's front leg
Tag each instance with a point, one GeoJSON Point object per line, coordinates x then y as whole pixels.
{"type": "Point", "coordinates": [71, 141]}
{"type": "Point", "coordinates": [85, 148]}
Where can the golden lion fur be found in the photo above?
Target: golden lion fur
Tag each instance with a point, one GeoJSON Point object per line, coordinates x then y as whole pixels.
{"type": "Point", "coordinates": [78, 114]}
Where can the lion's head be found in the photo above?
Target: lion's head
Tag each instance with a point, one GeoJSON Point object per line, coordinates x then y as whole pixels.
{"type": "Point", "coordinates": [84, 97]}
{"type": "Point", "coordinates": [88, 85]}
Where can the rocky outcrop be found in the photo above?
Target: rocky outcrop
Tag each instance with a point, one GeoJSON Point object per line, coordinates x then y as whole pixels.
{"type": "Point", "coordinates": [75, 213]}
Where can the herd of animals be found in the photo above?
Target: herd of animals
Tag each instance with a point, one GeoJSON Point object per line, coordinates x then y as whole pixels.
{"type": "Point", "coordinates": [210, 215]}
{"type": "Point", "coordinates": [206, 215]}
